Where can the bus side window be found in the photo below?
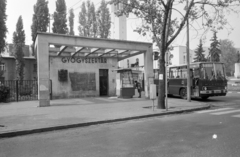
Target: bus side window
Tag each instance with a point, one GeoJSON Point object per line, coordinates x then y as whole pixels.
{"type": "Point", "coordinates": [184, 73]}
{"type": "Point", "coordinates": [196, 73]}
{"type": "Point", "coordinates": [174, 72]}
{"type": "Point", "coordinates": [170, 73]}
{"type": "Point", "coordinates": [178, 75]}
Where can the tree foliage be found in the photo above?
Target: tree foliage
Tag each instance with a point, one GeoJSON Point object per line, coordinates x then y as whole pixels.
{"type": "Point", "coordinates": [71, 21]}
{"type": "Point", "coordinates": [87, 20]}
{"type": "Point", "coordinates": [157, 20]}
{"type": "Point", "coordinates": [40, 19]}
{"type": "Point", "coordinates": [82, 28]}
{"type": "Point", "coordinates": [103, 20]}
{"type": "Point", "coordinates": [60, 18]}
{"type": "Point", "coordinates": [3, 28]}
{"type": "Point", "coordinates": [229, 55]}
{"type": "Point", "coordinates": [214, 50]}
{"type": "Point", "coordinates": [92, 16]}
{"type": "Point", "coordinates": [200, 57]}
{"type": "Point", "coordinates": [19, 42]}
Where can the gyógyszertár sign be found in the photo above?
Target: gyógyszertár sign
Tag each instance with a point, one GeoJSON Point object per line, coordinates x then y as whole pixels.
{"type": "Point", "coordinates": [83, 60]}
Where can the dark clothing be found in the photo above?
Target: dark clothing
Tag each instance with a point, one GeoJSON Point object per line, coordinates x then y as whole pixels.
{"type": "Point", "coordinates": [138, 86]}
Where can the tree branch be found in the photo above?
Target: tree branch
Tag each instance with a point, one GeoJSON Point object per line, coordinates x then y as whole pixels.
{"type": "Point", "coordinates": [164, 5]}
{"type": "Point", "coordinates": [181, 25]}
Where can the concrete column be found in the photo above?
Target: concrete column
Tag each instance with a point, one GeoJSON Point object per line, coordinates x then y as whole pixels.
{"type": "Point", "coordinates": [148, 69]}
{"type": "Point", "coordinates": [237, 70]}
{"type": "Point", "coordinates": [42, 48]}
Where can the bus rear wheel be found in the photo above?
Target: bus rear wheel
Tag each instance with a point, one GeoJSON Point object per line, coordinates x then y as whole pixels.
{"type": "Point", "coordinates": [183, 93]}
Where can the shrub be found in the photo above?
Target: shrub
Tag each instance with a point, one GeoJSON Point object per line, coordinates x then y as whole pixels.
{"type": "Point", "coordinates": [25, 91]}
{"type": "Point", "coordinates": [4, 93]}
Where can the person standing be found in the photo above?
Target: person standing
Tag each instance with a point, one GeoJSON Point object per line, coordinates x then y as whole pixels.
{"type": "Point", "coordinates": [138, 86]}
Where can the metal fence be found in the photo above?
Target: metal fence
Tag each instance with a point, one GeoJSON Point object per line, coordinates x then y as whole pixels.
{"type": "Point", "coordinates": [23, 90]}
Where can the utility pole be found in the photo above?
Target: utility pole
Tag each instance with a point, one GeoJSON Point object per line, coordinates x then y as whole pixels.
{"type": "Point", "coordinates": [167, 57]}
{"type": "Point", "coordinates": [188, 64]}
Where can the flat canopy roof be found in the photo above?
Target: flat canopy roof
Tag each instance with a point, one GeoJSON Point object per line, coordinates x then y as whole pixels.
{"type": "Point", "coordinates": [79, 46]}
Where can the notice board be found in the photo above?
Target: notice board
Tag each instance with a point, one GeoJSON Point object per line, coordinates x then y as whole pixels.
{"type": "Point", "coordinates": [83, 81]}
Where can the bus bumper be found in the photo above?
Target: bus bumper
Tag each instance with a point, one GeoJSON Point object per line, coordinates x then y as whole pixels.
{"type": "Point", "coordinates": [222, 92]}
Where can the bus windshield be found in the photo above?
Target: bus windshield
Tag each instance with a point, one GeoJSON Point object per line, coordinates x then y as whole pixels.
{"type": "Point", "coordinates": [212, 71]}
{"type": "Point", "coordinates": [220, 71]}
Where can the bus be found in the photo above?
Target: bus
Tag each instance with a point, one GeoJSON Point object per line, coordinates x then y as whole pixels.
{"type": "Point", "coordinates": [207, 79]}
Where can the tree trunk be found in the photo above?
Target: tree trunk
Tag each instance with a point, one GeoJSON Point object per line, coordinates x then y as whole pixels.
{"type": "Point", "coordinates": [161, 85]}
{"type": "Point", "coordinates": [163, 48]}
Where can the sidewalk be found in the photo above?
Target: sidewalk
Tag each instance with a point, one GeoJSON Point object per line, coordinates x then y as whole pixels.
{"type": "Point", "coordinates": [21, 118]}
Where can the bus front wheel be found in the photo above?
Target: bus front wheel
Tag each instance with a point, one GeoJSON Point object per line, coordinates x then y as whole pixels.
{"type": "Point", "coordinates": [183, 93]}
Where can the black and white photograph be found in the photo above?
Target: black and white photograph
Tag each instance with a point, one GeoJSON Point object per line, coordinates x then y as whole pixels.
{"type": "Point", "coordinates": [119, 78]}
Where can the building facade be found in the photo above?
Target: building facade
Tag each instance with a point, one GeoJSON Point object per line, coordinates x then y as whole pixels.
{"type": "Point", "coordinates": [86, 76]}
{"type": "Point", "coordinates": [8, 64]}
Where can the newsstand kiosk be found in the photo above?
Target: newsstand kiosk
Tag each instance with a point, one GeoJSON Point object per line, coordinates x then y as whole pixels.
{"type": "Point", "coordinates": [125, 87]}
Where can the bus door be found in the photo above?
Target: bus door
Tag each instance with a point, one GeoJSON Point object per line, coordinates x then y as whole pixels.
{"type": "Point", "coordinates": [195, 81]}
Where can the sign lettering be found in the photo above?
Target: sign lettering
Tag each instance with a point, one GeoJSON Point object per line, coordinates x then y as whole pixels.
{"type": "Point", "coordinates": [83, 60]}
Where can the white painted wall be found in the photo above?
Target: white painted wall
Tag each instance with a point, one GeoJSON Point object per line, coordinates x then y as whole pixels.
{"type": "Point", "coordinates": [64, 90]}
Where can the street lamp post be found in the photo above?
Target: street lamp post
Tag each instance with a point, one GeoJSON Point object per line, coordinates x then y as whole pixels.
{"type": "Point", "coordinates": [188, 64]}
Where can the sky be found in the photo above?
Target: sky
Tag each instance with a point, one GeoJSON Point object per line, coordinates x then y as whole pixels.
{"type": "Point", "coordinates": [15, 8]}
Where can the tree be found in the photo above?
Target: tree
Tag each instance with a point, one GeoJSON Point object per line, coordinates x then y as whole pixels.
{"type": "Point", "coordinates": [157, 20]}
{"type": "Point", "coordinates": [87, 20]}
{"type": "Point", "coordinates": [103, 20]}
{"type": "Point", "coordinates": [93, 28]}
{"type": "Point", "coordinates": [229, 55]}
{"type": "Point", "coordinates": [200, 57]}
{"type": "Point", "coordinates": [19, 42]}
{"type": "Point", "coordinates": [214, 51]}
{"type": "Point", "coordinates": [59, 17]}
{"type": "Point", "coordinates": [71, 21]}
{"type": "Point", "coordinates": [40, 19]}
{"type": "Point", "coordinates": [83, 29]}
{"type": "Point", "coordinates": [3, 28]}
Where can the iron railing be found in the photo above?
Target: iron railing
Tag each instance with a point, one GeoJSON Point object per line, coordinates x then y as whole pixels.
{"type": "Point", "coordinates": [23, 90]}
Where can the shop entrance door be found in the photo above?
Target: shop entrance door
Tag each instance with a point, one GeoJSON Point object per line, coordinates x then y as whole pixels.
{"type": "Point", "coordinates": [103, 82]}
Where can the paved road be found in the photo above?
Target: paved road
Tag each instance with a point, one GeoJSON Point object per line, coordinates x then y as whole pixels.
{"type": "Point", "coordinates": [204, 133]}
{"type": "Point", "coordinates": [232, 99]}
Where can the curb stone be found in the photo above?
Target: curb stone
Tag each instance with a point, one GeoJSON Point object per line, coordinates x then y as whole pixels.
{"type": "Point", "coordinates": [78, 125]}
